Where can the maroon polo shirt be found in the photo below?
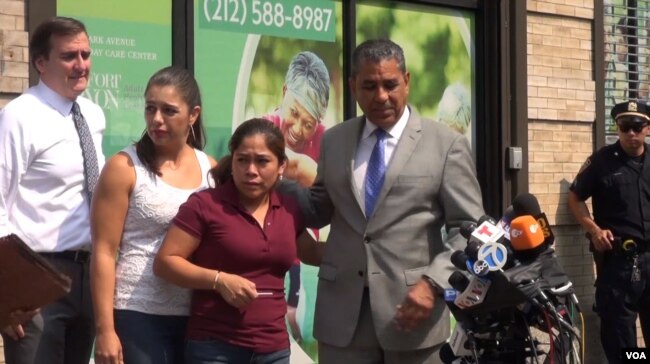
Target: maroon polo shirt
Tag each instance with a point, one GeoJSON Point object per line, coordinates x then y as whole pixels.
{"type": "Point", "coordinates": [232, 241]}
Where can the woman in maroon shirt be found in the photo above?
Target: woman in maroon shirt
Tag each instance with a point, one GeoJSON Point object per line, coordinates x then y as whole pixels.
{"type": "Point", "coordinates": [233, 244]}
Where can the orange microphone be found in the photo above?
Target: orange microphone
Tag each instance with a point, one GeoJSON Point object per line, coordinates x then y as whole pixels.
{"type": "Point", "coordinates": [527, 237]}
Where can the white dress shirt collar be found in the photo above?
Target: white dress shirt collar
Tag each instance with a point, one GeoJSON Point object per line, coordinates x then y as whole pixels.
{"type": "Point", "coordinates": [394, 132]}
{"type": "Point", "coordinates": [56, 101]}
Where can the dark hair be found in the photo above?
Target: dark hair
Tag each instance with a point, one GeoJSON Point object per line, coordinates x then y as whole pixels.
{"type": "Point", "coordinates": [186, 86]}
{"type": "Point", "coordinates": [375, 51]}
{"type": "Point", "coordinates": [40, 44]}
{"type": "Point", "coordinates": [272, 136]}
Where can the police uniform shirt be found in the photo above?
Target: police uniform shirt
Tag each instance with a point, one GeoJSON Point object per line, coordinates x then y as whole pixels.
{"type": "Point", "coordinates": [620, 189]}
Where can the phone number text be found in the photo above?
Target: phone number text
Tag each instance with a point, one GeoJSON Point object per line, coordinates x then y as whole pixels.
{"type": "Point", "coordinates": [270, 14]}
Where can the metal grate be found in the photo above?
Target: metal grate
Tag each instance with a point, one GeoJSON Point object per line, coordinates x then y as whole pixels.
{"type": "Point", "coordinates": [627, 55]}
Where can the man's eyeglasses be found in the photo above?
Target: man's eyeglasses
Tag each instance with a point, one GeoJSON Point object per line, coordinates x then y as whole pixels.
{"type": "Point", "coordinates": [637, 128]}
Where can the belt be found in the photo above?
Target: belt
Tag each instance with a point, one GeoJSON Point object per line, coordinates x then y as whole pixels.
{"type": "Point", "coordinates": [621, 248]}
{"type": "Point", "coordinates": [77, 256]}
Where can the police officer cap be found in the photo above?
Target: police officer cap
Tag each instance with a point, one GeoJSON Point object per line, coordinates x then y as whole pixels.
{"type": "Point", "coordinates": [631, 112]}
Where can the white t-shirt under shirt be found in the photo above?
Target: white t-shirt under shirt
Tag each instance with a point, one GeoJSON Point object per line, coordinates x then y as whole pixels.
{"type": "Point", "coordinates": [152, 205]}
{"type": "Point", "coordinates": [42, 198]}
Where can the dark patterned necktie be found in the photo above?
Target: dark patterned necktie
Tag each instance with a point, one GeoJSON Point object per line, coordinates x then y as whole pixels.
{"type": "Point", "coordinates": [375, 172]}
{"type": "Point", "coordinates": [91, 167]}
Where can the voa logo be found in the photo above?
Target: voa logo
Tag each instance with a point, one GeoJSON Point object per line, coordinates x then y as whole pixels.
{"type": "Point", "coordinates": [634, 354]}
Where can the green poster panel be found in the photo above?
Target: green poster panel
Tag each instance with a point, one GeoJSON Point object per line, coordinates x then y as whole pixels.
{"type": "Point", "coordinates": [241, 60]}
{"type": "Point", "coordinates": [438, 44]}
{"type": "Point", "coordinates": [130, 41]}
{"type": "Point", "coordinates": [241, 73]}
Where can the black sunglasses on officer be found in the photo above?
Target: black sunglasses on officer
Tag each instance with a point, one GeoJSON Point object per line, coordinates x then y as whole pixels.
{"type": "Point", "coordinates": [631, 122]}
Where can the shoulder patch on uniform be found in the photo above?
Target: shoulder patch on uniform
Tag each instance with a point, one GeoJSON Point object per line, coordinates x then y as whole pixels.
{"type": "Point", "coordinates": [584, 166]}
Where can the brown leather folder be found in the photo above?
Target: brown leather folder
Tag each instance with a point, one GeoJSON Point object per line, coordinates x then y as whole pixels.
{"type": "Point", "coordinates": [27, 281]}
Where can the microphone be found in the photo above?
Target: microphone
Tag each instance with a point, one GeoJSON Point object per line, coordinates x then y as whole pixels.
{"type": "Point", "coordinates": [466, 228]}
{"type": "Point", "coordinates": [526, 238]}
{"type": "Point", "coordinates": [474, 292]}
{"type": "Point", "coordinates": [447, 355]}
{"type": "Point", "coordinates": [495, 255]}
{"type": "Point", "coordinates": [506, 219]}
{"type": "Point", "coordinates": [504, 224]}
{"type": "Point", "coordinates": [486, 232]}
{"type": "Point", "coordinates": [458, 342]}
{"type": "Point", "coordinates": [549, 238]}
{"type": "Point", "coordinates": [486, 225]}
{"type": "Point", "coordinates": [527, 204]}
{"type": "Point", "coordinates": [487, 218]}
{"type": "Point", "coordinates": [458, 280]}
{"type": "Point", "coordinates": [482, 255]}
{"type": "Point", "coordinates": [468, 291]}
{"type": "Point", "coordinates": [484, 247]}
{"type": "Point", "coordinates": [471, 250]}
{"type": "Point", "coordinates": [459, 259]}
{"type": "Point", "coordinates": [506, 265]}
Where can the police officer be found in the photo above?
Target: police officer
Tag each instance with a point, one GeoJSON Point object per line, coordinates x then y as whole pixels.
{"type": "Point", "coordinates": [617, 178]}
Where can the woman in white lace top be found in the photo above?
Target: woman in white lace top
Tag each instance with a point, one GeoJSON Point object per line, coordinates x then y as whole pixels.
{"type": "Point", "coordinates": [139, 317]}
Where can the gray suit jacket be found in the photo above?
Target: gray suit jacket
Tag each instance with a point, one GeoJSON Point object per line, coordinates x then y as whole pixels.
{"type": "Point", "coordinates": [430, 182]}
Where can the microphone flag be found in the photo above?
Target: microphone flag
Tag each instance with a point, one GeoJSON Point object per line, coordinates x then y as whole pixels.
{"type": "Point", "coordinates": [494, 254]}
{"type": "Point", "coordinates": [487, 232]}
{"type": "Point", "coordinates": [525, 233]}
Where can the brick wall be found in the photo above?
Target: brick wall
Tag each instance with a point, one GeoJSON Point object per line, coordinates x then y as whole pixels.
{"type": "Point", "coordinates": [14, 58]}
{"type": "Point", "coordinates": [561, 113]}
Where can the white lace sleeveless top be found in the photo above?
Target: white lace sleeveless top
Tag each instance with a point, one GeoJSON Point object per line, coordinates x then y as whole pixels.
{"type": "Point", "coordinates": [152, 205]}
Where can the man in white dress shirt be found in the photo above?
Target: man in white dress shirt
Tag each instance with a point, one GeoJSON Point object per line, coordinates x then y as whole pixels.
{"type": "Point", "coordinates": [45, 189]}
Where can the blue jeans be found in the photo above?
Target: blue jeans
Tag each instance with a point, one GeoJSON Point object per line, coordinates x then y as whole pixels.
{"type": "Point", "coordinates": [219, 352]}
{"type": "Point", "coordinates": [150, 339]}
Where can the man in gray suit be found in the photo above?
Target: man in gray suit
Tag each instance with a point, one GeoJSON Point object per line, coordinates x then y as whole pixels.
{"type": "Point", "coordinates": [387, 181]}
